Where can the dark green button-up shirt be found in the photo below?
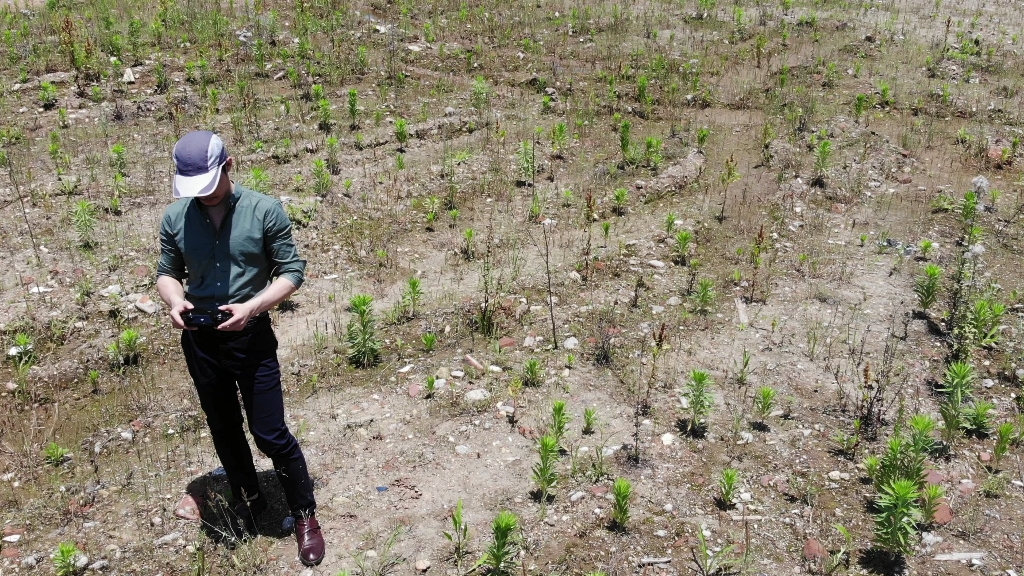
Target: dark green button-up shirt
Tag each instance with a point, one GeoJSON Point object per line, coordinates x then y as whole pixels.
{"type": "Point", "coordinates": [230, 266]}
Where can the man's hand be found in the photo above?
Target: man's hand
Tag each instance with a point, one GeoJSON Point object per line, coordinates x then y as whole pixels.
{"type": "Point", "coordinates": [240, 315]}
{"type": "Point", "coordinates": [176, 311]}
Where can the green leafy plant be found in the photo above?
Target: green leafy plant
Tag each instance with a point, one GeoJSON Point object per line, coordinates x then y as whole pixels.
{"type": "Point", "coordinates": [931, 496]}
{"type": "Point", "coordinates": [978, 417]}
{"type": "Point", "coordinates": [899, 462]}
{"type": "Point", "coordinates": [544, 474]}
{"type": "Point", "coordinates": [921, 428]}
{"type": "Point", "coordinates": [429, 340]}
{"type": "Point", "coordinates": [1005, 435]}
{"type": "Point", "coordinates": [83, 219]}
{"type": "Point", "coordinates": [54, 454]}
{"type": "Point", "coordinates": [589, 421]}
{"type": "Point", "coordinates": [527, 162]}
{"type": "Point", "coordinates": [412, 296]}
{"type": "Point", "coordinates": [480, 93]}
{"type": "Point", "coordinates": [459, 534]}
{"type": "Point", "coordinates": [500, 557]}
{"type": "Point", "coordinates": [431, 387]}
{"type": "Point", "coordinates": [65, 559]}
{"type": "Point", "coordinates": [620, 201]}
{"type": "Point", "coordinates": [47, 95]}
{"type": "Point", "coordinates": [361, 333]}
{"type": "Point", "coordinates": [401, 132]}
{"type": "Point", "coordinates": [986, 315]}
{"type": "Point", "coordinates": [926, 286]}
{"type": "Point", "coordinates": [711, 561]}
{"type": "Point", "coordinates": [727, 484]}
{"type": "Point", "coordinates": [353, 109]}
{"type": "Point", "coordinates": [681, 250]}
{"type": "Point", "coordinates": [126, 349]}
{"type": "Point", "coordinates": [764, 402]}
{"type": "Point", "coordinates": [698, 398]}
{"type": "Point", "coordinates": [670, 222]}
{"type": "Point", "coordinates": [322, 180]}
{"type": "Point", "coordinates": [119, 159]}
{"type": "Point", "coordinates": [703, 133]}
{"type": "Point", "coordinates": [622, 493]}
{"type": "Point", "coordinates": [559, 139]}
{"type": "Point", "coordinates": [23, 350]}
{"type": "Point", "coordinates": [822, 161]}
{"type": "Point", "coordinates": [704, 297]}
{"type": "Point", "coordinates": [896, 521]}
{"type": "Point", "coordinates": [533, 372]}
{"type": "Point", "coordinates": [559, 421]}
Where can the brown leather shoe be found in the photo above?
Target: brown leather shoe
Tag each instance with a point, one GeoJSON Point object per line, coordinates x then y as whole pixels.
{"type": "Point", "coordinates": [311, 541]}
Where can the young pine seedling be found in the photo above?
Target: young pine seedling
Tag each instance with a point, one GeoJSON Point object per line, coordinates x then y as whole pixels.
{"type": "Point", "coordinates": [500, 557]}
{"type": "Point", "coordinates": [622, 491]}
{"type": "Point", "coordinates": [896, 521]}
{"type": "Point", "coordinates": [431, 387]}
{"type": "Point", "coordinates": [698, 399]}
{"type": "Point", "coordinates": [559, 421]}
{"type": "Point", "coordinates": [589, 421]}
{"type": "Point", "coordinates": [65, 559]}
{"type": "Point", "coordinates": [931, 495]}
{"type": "Point", "coordinates": [681, 251]}
{"type": "Point", "coordinates": [533, 373]}
{"type": "Point", "coordinates": [926, 287]}
{"type": "Point", "coordinates": [1005, 434]}
{"type": "Point", "coordinates": [921, 428]}
{"type": "Point", "coordinates": [429, 341]}
{"type": "Point", "coordinates": [544, 474]}
{"type": "Point", "coordinates": [764, 402]}
{"type": "Point", "coordinates": [412, 296]}
{"type": "Point", "coordinates": [727, 484]}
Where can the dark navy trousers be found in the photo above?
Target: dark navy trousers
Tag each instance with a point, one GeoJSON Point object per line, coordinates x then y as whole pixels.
{"type": "Point", "coordinates": [224, 364]}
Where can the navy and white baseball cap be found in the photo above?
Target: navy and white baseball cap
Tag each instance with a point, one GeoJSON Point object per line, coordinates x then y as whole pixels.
{"type": "Point", "coordinates": [198, 157]}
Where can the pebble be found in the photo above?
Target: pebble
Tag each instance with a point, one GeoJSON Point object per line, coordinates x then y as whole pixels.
{"type": "Point", "coordinates": [147, 305]}
{"type": "Point", "coordinates": [745, 438]}
{"type": "Point", "coordinates": [661, 533]}
{"type": "Point", "coordinates": [156, 521]}
{"type": "Point", "coordinates": [99, 566]}
{"type": "Point", "coordinates": [165, 540]}
{"type": "Point", "coordinates": [458, 373]}
{"type": "Point", "coordinates": [462, 449]}
{"type": "Point", "coordinates": [746, 497]}
{"type": "Point", "coordinates": [667, 508]}
{"type": "Point", "coordinates": [656, 263]}
{"type": "Point", "coordinates": [988, 383]}
{"type": "Point", "coordinates": [930, 539]}
{"type": "Point", "coordinates": [405, 369]}
{"type": "Point", "coordinates": [449, 111]}
{"type": "Point", "coordinates": [577, 496]}
{"type": "Point", "coordinates": [657, 309]}
{"type": "Point", "coordinates": [81, 561]}
{"type": "Point", "coordinates": [112, 289]}
{"type": "Point", "coordinates": [12, 539]}
{"type": "Point", "coordinates": [674, 301]}
{"type": "Point", "coordinates": [477, 395]}
{"type": "Point", "coordinates": [571, 343]}
{"type": "Point", "coordinates": [667, 439]}
{"type": "Point", "coordinates": [834, 475]}
{"type": "Point", "coordinates": [422, 565]}
{"type": "Point", "coordinates": [495, 369]}
{"type": "Point", "coordinates": [29, 562]}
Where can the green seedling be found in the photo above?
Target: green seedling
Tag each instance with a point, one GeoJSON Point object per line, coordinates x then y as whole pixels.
{"type": "Point", "coordinates": [699, 399]}
{"type": "Point", "coordinates": [727, 484]}
{"type": "Point", "coordinates": [589, 421]}
{"type": "Point", "coordinates": [622, 492]}
{"type": "Point", "coordinates": [459, 534]}
{"type": "Point", "coordinates": [559, 421]}
{"type": "Point", "coordinates": [361, 333]}
{"type": "Point", "coordinates": [54, 454]}
{"type": "Point", "coordinates": [65, 559]}
{"type": "Point", "coordinates": [500, 557]}
{"type": "Point", "coordinates": [544, 474]}
{"type": "Point", "coordinates": [926, 286]}
{"type": "Point", "coordinates": [1005, 435]}
{"type": "Point", "coordinates": [533, 372]}
{"type": "Point", "coordinates": [764, 402]}
{"type": "Point", "coordinates": [896, 521]}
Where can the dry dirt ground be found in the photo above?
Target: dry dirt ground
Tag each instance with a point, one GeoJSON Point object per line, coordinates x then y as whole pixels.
{"type": "Point", "coordinates": [811, 267]}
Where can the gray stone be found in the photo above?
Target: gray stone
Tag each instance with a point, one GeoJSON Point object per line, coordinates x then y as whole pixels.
{"type": "Point", "coordinates": [81, 561]}
{"type": "Point", "coordinates": [422, 565]}
{"type": "Point", "coordinates": [656, 263]}
{"type": "Point", "coordinates": [128, 77]}
{"type": "Point", "coordinates": [571, 343]}
{"type": "Point", "coordinates": [477, 395]}
{"type": "Point", "coordinates": [99, 566]}
{"type": "Point", "coordinates": [147, 305]}
{"type": "Point", "coordinates": [449, 111]}
{"type": "Point", "coordinates": [981, 185]}
{"type": "Point", "coordinates": [674, 301]}
{"type": "Point", "coordinates": [577, 496]}
{"type": "Point", "coordinates": [168, 539]}
{"type": "Point", "coordinates": [110, 290]}
{"type": "Point", "coordinates": [494, 368]}
{"type": "Point", "coordinates": [462, 449]}
{"type": "Point", "coordinates": [29, 562]}
{"type": "Point", "coordinates": [834, 475]}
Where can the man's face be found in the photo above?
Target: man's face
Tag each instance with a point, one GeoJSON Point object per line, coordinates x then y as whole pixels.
{"type": "Point", "coordinates": [223, 189]}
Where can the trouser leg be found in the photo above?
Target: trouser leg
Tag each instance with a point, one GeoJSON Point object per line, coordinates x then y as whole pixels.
{"type": "Point", "coordinates": [218, 396]}
{"type": "Point", "coordinates": [259, 381]}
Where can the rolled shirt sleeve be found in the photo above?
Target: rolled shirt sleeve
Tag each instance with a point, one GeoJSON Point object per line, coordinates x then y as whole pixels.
{"type": "Point", "coordinates": [280, 247]}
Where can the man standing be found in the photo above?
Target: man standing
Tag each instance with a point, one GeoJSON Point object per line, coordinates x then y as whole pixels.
{"type": "Point", "coordinates": [234, 246]}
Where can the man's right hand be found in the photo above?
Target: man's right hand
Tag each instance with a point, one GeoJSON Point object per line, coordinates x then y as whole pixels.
{"type": "Point", "coordinates": [176, 311]}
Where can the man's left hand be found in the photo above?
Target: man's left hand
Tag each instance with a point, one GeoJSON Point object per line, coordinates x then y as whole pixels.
{"type": "Point", "coordinates": [240, 315]}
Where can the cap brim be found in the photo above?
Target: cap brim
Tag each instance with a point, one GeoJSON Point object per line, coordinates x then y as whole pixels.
{"type": "Point", "coordinates": [196, 186]}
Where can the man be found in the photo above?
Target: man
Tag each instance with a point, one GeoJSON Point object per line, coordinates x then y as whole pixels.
{"type": "Point", "coordinates": [235, 248]}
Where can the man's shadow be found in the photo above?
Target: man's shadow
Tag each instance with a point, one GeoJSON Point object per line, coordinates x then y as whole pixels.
{"type": "Point", "coordinates": [220, 522]}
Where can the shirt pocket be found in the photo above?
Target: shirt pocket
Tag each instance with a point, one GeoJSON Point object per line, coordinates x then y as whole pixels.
{"type": "Point", "coordinates": [247, 250]}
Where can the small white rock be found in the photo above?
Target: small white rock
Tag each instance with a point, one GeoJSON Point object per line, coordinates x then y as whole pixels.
{"type": "Point", "coordinates": [495, 369]}
{"type": "Point", "coordinates": [571, 343]}
{"type": "Point", "coordinates": [667, 439]}
{"type": "Point", "coordinates": [656, 263]}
